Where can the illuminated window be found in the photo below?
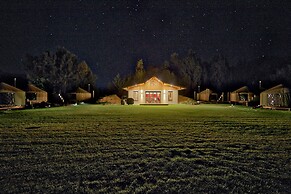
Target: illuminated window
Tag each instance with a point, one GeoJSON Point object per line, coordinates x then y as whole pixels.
{"type": "Point", "coordinates": [170, 95]}
{"type": "Point", "coordinates": [135, 95]}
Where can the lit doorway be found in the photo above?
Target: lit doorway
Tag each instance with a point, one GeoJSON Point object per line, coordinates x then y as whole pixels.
{"type": "Point", "coordinates": [153, 97]}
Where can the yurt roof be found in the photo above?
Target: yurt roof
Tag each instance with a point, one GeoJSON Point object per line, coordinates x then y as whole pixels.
{"type": "Point", "coordinates": [9, 88]}
{"type": "Point", "coordinates": [277, 89]}
{"type": "Point", "coordinates": [80, 90]}
{"type": "Point", "coordinates": [33, 88]}
{"type": "Point", "coordinates": [242, 89]}
{"type": "Point", "coordinates": [207, 90]}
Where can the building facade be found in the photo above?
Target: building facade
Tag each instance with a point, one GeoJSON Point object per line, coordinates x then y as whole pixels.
{"type": "Point", "coordinates": [241, 95]}
{"type": "Point", "coordinates": [11, 96]}
{"type": "Point", "coordinates": [278, 96]}
{"type": "Point", "coordinates": [35, 95]}
{"type": "Point", "coordinates": [154, 91]}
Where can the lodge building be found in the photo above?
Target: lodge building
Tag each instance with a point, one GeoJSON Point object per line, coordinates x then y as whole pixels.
{"type": "Point", "coordinates": [154, 91]}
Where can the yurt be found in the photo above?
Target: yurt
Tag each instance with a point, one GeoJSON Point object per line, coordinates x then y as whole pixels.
{"type": "Point", "coordinates": [11, 96]}
{"type": "Point", "coordinates": [278, 96]}
{"type": "Point", "coordinates": [207, 95]}
{"type": "Point", "coordinates": [36, 95]}
{"type": "Point", "coordinates": [241, 95]}
{"type": "Point", "coordinates": [112, 99]}
{"type": "Point", "coordinates": [80, 95]}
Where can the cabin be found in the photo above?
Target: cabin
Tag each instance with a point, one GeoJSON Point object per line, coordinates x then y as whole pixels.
{"type": "Point", "coordinates": [278, 96]}
{"type": "Point", "coordinates": [35, 95]}
{"type": "Point", "coordinates": [11, 96]}
{"type": "Point", "coordinates": [154, 91]}
{"type": "Point", "coordinates": [207, 95]}
{"type": "Point", "coordinates": [241, 95]}
{"type": "Point", "coordinates": [80, 95]}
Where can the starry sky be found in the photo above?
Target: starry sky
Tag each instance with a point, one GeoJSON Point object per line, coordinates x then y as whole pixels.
{"type": "Point", "coordinates": [111, 35]}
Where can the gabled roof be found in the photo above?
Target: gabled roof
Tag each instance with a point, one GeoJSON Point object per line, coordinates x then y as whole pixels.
{"type": "Point", "coordinates": [207, 90]}
{"type": "Point", "coordinates": [9, 88]}
{"type": "Point", "coordinates": [155, 79]}
{"type": "Point", "coordinates": [80, 90]}
{"type": "Point", "coordinates": [242, 89]}
{"type": "Point", "coordinates": [33, 88]}
{"type": "Point", "coordinates": [277, 89]}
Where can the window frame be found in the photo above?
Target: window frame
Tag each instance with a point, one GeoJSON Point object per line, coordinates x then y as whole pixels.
{"type": "Point", "coordinates": [170, 96]}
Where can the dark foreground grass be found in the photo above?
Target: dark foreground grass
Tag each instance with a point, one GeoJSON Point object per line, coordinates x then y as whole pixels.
{"type": "Point", "coordinates": [140, 149]}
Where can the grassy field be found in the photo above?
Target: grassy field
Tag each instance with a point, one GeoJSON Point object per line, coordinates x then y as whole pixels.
{"type": "Point", "coordinates": [145, 149]}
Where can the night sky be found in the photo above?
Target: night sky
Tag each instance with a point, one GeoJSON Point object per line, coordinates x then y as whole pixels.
{"type": "Point", "coordinates": [111, 35]}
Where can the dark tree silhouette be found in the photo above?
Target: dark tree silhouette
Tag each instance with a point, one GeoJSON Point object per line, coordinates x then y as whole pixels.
{"type": "Point", "coordinates": [219, 72]}
{"type": "Point", "coordinates": [118, 84]}
{"type": "Point", "coordinates": [188, 70]}
{"type": "Point", "coordinates": [140, 73]}
{"type": "Point", "coordinates": [58, 72]}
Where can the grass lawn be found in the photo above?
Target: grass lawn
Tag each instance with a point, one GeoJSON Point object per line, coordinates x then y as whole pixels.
{"type": "Point", "coordinates": [140, 149]}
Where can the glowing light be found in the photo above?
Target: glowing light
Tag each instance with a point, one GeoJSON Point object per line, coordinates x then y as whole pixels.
{"type": "Point", "coordinates": [164, 99]}
{"type": "Point", "coordinates": [141, 94]}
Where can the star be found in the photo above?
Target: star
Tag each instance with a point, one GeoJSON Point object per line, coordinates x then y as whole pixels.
{"type": "Point", "coordinates": [247, 29]}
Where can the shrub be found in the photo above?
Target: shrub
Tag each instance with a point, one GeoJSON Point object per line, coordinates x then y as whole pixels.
{"type": "Point", "coordinates": [130, 101]}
